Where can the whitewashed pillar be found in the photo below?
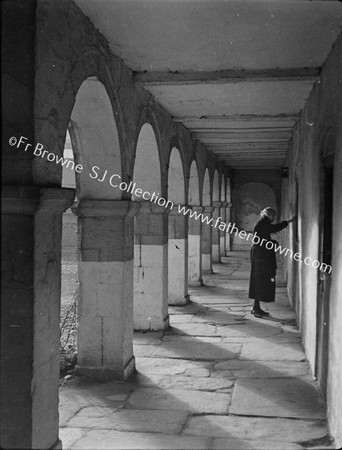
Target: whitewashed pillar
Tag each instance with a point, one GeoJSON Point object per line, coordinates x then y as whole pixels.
{"type": "Point", "coordinates": [195, 249]}
{"type": "Point", "coordinates": [178, 258]}
{"type": "Point", "coordinates": [105, 330]}
{"type": "Point", "coordinates": [150, 268]}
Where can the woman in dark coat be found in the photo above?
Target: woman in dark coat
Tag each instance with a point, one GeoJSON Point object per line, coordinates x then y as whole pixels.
{"type": "Point", "coordinates": [263, 261]}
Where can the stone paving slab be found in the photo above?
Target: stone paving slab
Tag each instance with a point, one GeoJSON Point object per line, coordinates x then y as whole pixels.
{"type": "Point", "coordinates": [197, 350]}
{"type": "Point", "coordinates": [180, 399]}
{"type": "Point", "coordinates": [164, 366]}
{"type": "Point", "coordinates": [270, 351]}
{"type": "Point", "coordinates": [256, 428]}
{"type": "Point", "coordinates": [178, 318]}
{"type": "Point", "coordinates": [171, 339]}
{"type": "Point", "coordinates": [216, 361]}
{"type": "Point", "coordinates": [285, 397]}
{"type": "Point", "coordinates": [249, 329]}
{"type": "Point", "coordinates": [217, 318]}
{"type": "Point", "coordinates": [193, 329]}
{"type": "Point", "coordinates": [243, 444]}
{"type": "Point", "coordinates": [194, 383]}
{"type": "Point", "coordinates": [169, 422]}
{"type": "Point", "coordinates": [116, 440]}
{"type": "Point", "coordinates": [144, 350]}
{"type": "Point", "coordinates": [262, 369]}
{"type": "Point", "coordinates": [150, 338]}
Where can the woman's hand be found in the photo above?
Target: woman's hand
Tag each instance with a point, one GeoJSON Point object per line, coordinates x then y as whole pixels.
{"type": "Point", "coordinates": [292, 219]}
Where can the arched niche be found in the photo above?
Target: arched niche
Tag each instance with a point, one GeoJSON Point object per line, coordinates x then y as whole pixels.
{"type": "Point", "coordinates": [95, 141]}
{"type": "Point", "coordinates": [147, 174]}
{"type": "Point", "coordinates": [194, 192]}
{"type": "Point", "coordinates": [250, 199]}
{"type": "Point", "coordinates": [176, 186]}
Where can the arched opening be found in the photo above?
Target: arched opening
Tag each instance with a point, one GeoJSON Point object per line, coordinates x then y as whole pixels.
{"type": "Point", "coordinates": [146, 173]}
{"type": "Point", "coordinates": [150, 237]}
{"type": "Point", "coordinates": [105, 328]}
{"type": "Point", "coordinates": [206, 228]}
{"type": "Point", "coordinates": [228, 213]}
{"type": "Point", "coordinates": [69, 271]}
{"type": "Point", "coordinates": [216, 219]}
{"type": "Point", "coordinates": [194, 234]}
{"type": "Point", "coordinates": [178, 233]}
{"type": "Point", "coordinates": [223, 214]}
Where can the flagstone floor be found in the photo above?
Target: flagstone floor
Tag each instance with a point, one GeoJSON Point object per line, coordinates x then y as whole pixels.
{"type": "Point", "coordinates": [219, 378]}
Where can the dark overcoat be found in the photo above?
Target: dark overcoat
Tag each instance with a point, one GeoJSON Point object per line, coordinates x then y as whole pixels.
{"type": "Point", "coordinates": [263, 262]}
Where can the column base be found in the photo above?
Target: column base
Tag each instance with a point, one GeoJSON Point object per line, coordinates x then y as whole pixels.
{"type": "Point", "coordinates": [179, 302]}
{"type": "Point", "coordinates": [153, 326]}
{"type": "Point", "coordinates": [107, 374]}
{"type": "Point", "coordinates": [196, 283]}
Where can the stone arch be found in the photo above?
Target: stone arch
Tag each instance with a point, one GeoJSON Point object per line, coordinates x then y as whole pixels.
{"type": "Point", "coordinates": [251, 198]}
{"type": "Point", "coordinates": [176, 179]}
{"type": "Point", "coordinates": [228, 190]}
{"type": "Point", "coordinates": [147, 120]}
{"type": "Point", "coordinates": [223, 190]}
{"type": "Point", "coordinates": [216, 187]}
{"type": "Point", "coordinates": [194, 191]}
{"type": "Point", "coordinates": [206, 197]}
{"type": "Point", "coordinates": [52, 123]}
{"type": "Point", "coordinates": [147, 166]}
{"type": "Point", "coordinates": [96, 144]}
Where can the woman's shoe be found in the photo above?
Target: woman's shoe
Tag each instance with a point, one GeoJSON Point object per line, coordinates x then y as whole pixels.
{"type": "Point", "coordinates": [257, 314]}
{"type": "Point", "coordinates": [261, 311]}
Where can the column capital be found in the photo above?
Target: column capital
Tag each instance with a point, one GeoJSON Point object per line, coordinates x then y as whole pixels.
{"type": "Point", "coordinates": [208, 209]}
{"type": "Point", "coordinates": [217, 204]}
{"type": "Point", "coordinates": [175, 210]}
{"type": "Point", "coordinates": [197, 208]}
{"type": "Point", "coordinates": [147, 207]}
{"type": "Point", "coordinates": [35, 199]}
{"type": "Point", "coordinates": [103, 208]}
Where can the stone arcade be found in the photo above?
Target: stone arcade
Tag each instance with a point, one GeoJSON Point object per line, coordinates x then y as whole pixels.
{"type": "Point", "coordinates": [224, 107]}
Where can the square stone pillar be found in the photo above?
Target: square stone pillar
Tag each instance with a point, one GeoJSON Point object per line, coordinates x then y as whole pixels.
{"type": "Point", "coordinates": [228, 235]}
{"type": "Point", "coordinates": [30, 314]}
{"type": "Point", "coordinates": [105, 329]}
{"type": "Point", "coordinates": [178, 258]}
{"type": "Point", "coordinates": [207, 266]}
{"type": "Point", "coordinates": [150, 268]}
{"type": "Point", "coordinates": [223, 234]}
{"type": "Point", "coordinates": [195, 249]}
{"type": "Point", "coordinates": [216, 232]}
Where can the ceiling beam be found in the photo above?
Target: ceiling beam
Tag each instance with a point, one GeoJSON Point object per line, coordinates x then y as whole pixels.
{"type": "Point", "coordinates": [263, 135]}
{"type": "Point", "coordinates": [169, 78]}
{"type": "Point", "coordinates": [239, 118]}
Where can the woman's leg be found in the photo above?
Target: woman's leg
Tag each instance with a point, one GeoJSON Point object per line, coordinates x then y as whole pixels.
{"type": "Point", "coordinates": [256, 306]}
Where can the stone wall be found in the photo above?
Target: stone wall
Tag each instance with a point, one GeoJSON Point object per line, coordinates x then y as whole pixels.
{"type": "Point", "coordinates": [317, 137]}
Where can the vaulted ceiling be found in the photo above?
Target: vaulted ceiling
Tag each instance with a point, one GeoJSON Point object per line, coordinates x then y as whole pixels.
{"type": "Point", "coordinates": [236, 73]}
